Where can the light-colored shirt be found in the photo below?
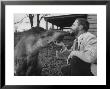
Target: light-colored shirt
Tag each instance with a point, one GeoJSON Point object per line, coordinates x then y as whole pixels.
{"type": "Point", "coordinates": [87, 47]}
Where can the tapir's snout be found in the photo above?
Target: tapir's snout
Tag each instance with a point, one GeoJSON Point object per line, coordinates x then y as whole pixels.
{"type": "Point", "coordinates": [59, 35]}
{"type": "Point", "coordinates": [50, 36]}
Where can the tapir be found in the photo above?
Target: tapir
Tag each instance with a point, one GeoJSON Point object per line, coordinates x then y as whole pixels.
{"type": "Point", "coordinates": [26, 51]}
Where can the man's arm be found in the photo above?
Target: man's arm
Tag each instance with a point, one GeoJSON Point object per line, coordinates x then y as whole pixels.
{"type": "Point", "coordinates": [89, 54]}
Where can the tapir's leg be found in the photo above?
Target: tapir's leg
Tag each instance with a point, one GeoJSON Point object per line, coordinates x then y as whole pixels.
{"type": "Point", "coordinates": [28, 71]}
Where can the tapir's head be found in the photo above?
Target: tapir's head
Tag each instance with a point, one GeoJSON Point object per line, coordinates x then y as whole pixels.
{"type": "Point", "coordinates": [51, 36]}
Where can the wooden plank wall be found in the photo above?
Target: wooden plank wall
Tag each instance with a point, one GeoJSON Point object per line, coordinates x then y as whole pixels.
{"type": "Point", "coordinates": [92, 19]}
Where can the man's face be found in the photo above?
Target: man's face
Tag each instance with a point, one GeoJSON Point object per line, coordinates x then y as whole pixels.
{"type": "Point", "coordinates": [74, 27]}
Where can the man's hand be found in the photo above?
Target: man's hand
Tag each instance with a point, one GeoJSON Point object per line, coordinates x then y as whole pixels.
{"type": "Point", "coordinates": [64, 48]}
{"type": "Point", "coordinates": [71, 54]}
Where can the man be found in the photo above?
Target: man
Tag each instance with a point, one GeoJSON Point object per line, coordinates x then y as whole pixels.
{"type": "Point", "coordinates": [83, 53]}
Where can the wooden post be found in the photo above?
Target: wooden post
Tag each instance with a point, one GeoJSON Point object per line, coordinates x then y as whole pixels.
{"type": "Point", "coordinates": [46, 25]}
{"type": "Point", "coordinates": [52, 26]}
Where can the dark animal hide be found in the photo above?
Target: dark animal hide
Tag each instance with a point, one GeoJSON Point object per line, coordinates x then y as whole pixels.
{"type": "Point", "coordinates": [26, 51]}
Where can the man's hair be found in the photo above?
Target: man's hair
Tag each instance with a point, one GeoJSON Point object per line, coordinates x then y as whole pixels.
{"type": "Point", "coordinates": [84, 23]}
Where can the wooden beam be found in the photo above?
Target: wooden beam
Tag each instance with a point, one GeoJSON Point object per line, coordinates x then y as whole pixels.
{"type": "Point", "coordinates": [46, 25]}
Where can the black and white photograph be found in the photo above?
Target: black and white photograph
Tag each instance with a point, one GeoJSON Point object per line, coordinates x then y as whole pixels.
{"type": "Point", "coordinates": [55, 44]}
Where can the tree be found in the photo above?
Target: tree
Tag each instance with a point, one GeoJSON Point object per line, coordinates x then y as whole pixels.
{"type": "Point", "coordinates": [38, 21]}
{"type": "Point", "coordinates": [40, 18]}
{"type": "Point", "coordinates": [31, 16]}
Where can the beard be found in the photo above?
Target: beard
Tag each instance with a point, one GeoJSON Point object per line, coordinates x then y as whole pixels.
{"type": "Point", "coordinates": [74, 31]}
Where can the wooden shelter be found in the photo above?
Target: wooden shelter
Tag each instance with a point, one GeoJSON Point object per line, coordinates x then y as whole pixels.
{"type": "Point", "coordinates": [63, 21]}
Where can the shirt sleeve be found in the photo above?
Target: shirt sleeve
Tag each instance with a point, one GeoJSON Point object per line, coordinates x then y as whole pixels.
{"type": "Point", "coordinates": [89, 54]}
